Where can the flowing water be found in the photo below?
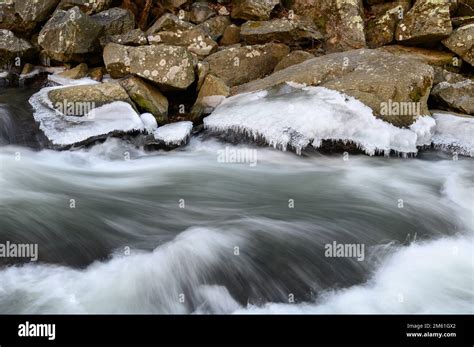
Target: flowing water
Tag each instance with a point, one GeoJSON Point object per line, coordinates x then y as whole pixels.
{"type": "Point", "coordinates": [121, 230]}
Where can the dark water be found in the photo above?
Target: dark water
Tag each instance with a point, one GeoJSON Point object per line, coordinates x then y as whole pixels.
{"type": "Point", "coordinates": [182, 232]}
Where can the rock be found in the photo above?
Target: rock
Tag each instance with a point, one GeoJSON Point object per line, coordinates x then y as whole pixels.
{"type": "Point", "coordinates": [115, 21]}
{"type": "Point", "coordinates": [117, 60]}
{"type": "Point", "coordinates": [13, 50]}
{"type": "Point", "coordinates": [280, 30]}
{"type": "Point", "coordinates": [427, 56]}
{"type": "Point", "coordinates": [169, 22]}
{"type": "Point", "coordinates": [65, 131]}
{"type": "Point", "coordinates": [212, 93]}
{"type": "Point", "coordinates": [461, 21]}
{"type": "Point", "coordinates": [200, 12]}
{"type": "Point", "coordinates": [97, 73]}
{"type": "Point", "coordinates": [465, 8]}
{"type": "Point", "coordinates": [380, 80]}
{"type": "Point", "coordinates": [87, 6]}
{"type": "Point", "coordinates": [28, 68]}
{"type": "Point", "coordinates": [293, 58]}
{"type": "Point", "coordinates": [147, 98]}
{"type": "Point", "coordinates": [342, 21]}
{"type": "Point", "coordinates": [10, 20]}
{"type": "Point", "coordinates": [231, 36]}
{"type": "Point", "coordinates": [215, 26]}
{"type": "Point", "coordinates": [35, 11]}
{"type": "Point", "coordinates": [243, 64]}
{"type": "Point", "coordinates": [253, 9]}
{"type": "Point", "coordinates": [427, 21]}
{"type": "Point", "coordinates": [381, 30]}
{"type": "Point", "coordinates": [68, 35]}
{"type": "Point", "coordinates": [87, 96]}
{"type": "Point", "coordinates": [202, 69]}
{"type": "Point", "coordinates": [195, 40]}
{"type": "Point", "coordinates": [461, 42]}
{"type": "Point", "coordinates": [79, 71]}
{"type": "Point", "coordinates": [134, 37]}
{"type": "Point", "coordinates": [173, 135]}
{"type": "Point", "coordinates": [458, 96]}
{"type": "Point", "coordinates": [171, 67]}
{"type": "Point", "coordinates": [173, 4]}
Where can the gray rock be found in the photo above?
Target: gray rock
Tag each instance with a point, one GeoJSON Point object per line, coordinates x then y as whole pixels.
{"type": "Point", "coordinates": [461, 42]}
{"type": "Point", "coordinates": [293, 58]}
{"type": "Point", "coordinates": [253, 9]}
{"type": "Point", "coordinates": [134, 37]}
{"type": "Point", "coordinates": [374, 77]}
{"type": "Point", "coordinates": [115, 21]}
{"type": "Point", "coordinates": [35, 11]}
{"type": "Point", "coordinates": [12, 47]}
{"type": "Point", "coordinates": [69, 34]}
{"type": "Point", "coordinates": [238, 65]}
{"type": "Point", "coordinates": [279, 30]}
{"type": "Point", "coordinates": [427, 21]}
{"type": "Point", "coordinates": [457, 96]}
{"type": "Point", "coordinates": [87, 6]}
{"type": "Point", "coordinates": [171, 67]}
{"type": "Point", "coordinates": [147, 98]}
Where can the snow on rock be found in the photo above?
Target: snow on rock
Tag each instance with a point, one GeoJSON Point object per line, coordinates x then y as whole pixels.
{"type": "Point", "coordinates": [454, 133]}
{"type": "Point", "coordinates": [296, 116]}
{"type": "Point", "coordinates": [64, 81]}
{"type": "Point", "coordinates": [149, 121]}
{"type": "Point", "coordinates": [424, 128]}
{"type": "Point", "coordinates": [65, 131]}
{"type": "Point", "coordinates": [174, 134]}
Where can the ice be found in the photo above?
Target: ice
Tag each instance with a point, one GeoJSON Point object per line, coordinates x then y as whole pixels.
{"type": "Point", "coordinates": [424, 128]}
{"type": "Point", "coordinates": [65, 131]}
{"type": "Point", "coordinates": [296, 116]}
{"type": "Point", "coordinates": [64, 81]}
{"type": "Point", "coordinates": [149, 122]}
{"type": "Point", "coordinates": [454, 133]}
{"type": "Point", "coordinates": [174, 133]}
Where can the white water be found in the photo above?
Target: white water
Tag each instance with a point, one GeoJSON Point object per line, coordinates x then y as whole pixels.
{"type": "Point", "coordinates": [135, 203]}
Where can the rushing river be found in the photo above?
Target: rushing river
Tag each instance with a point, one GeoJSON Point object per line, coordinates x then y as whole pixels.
{"type": "Point", "coordinates": [121, 230]}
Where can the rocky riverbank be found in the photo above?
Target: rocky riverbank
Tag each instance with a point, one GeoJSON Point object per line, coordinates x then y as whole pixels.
{"type": "Point", "coordinates": [369, 74]}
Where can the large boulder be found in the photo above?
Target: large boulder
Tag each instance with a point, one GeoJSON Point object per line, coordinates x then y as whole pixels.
{"type": "Point", "coordinates": [457, 96]}
{"type": "Point", "coordinates": [11, 20]}
{"type": "Point", "coordinates": [147, 98]}
{"type": "Point", "coordinates": [231, 35]}
{"type": "Point", "coordinates": [427, 21]}
{"type": "Point", "coordinates": [461, 42]}
{"type": "Point", "coordinates": [12, 47]}
{"type": "Point", "coordinates": [69, 34]}
{"type": "Point", "coordinates": [84, 98]}
{"type": "Point", "coordinates": [35, 11]}
{"type": "Point", "coordinates": [238, 65]}
{"type": "Point", "coordinates": [280, 30]}
{"type": "Point", "coordinates": [171, 67]}
{"type": "Point", "coordinates": [253, 9]}
{"type": "Point", "coordinates": [342, 21]}
{"type": "Point", "coordinates": [115, 21]}
{"type": "Point", "coordinates": [381, 80]}
{"type": "Point", "coordinates": [87, 6]}
{"type": "Point", "coordinates": [195, 40]}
